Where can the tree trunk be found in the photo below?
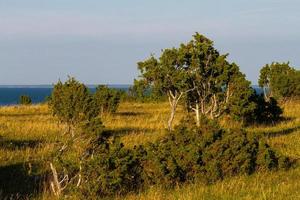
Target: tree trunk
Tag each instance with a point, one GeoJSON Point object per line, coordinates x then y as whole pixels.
{"type": "Point", "coordinates": [266, 94]}
{"type": "Point", "coordinates": [172, 116]}
{"type": "Point", "coordinates": [173, 100]}
{"type": "Point", "coordinates": [202, 107]}
{"type": "Point", "coordinates": [197, 115]}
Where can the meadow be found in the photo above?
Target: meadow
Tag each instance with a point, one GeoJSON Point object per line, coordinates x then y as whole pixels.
{"type": "Point", "coordinates": [29, 134]}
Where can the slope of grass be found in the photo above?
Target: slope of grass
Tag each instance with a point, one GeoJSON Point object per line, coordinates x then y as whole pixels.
{"type": "Point", "coordinates": [28, 135]}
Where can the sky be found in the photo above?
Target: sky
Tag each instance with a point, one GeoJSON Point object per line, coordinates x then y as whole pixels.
{"type": "Point", "coordinates": [100, 41]}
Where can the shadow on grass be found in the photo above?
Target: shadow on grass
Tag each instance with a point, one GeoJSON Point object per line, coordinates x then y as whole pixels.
{"type": "Point", "coordinates": [286, 119]}
{"type": "Point", "coordinates": [128, 114]}
{"type": "Point", "coordinates": [272, 123]}
{"type": "Point", "coordinates": [128, 131]}
{"type": "Point", "coordinates": [281, 132]}
{"type": "Point", "coordinates": [19, 144]}
{"type": "Point", "coordinates": [22, 114]}
{"type": "Point", "coordinates": [20, 181]}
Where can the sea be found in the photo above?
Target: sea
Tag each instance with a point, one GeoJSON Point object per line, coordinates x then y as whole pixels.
{"type": "Point", "coordinates": [10, 94]}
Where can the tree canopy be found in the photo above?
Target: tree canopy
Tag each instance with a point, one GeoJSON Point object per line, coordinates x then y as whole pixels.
{"type": "Point", "coordinates": [198, 71]}
{"type": "Point", "coordinates": [72, 103]}
{"type": "Point", "coordinates": [107, 99]}
{"type": "Point", "coordinates": [279, 80]}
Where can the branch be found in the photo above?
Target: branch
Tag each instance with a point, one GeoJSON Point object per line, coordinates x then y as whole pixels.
{"type": "Point", "coordinates": [171, 94]}
{"type": "Point", "coordinates": [178, 98]}
{"type": "Point", "coordinates": [79, 179]}
{"type": "Point", "coordinates": [194, 109]}
{"type": "Point", "coordinates": [55, 184]}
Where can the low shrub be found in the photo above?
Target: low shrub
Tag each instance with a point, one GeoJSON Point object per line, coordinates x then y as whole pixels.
{"type": "Point", "coordinates": [266, 111]}
{"type": "Point", "coordinates": [208, 153]}
{"type": "Point", "coordinates": [25, 100]}
{"type": "Point", "coordinates": [108, 99]}
{"type": "Point", "coordinates": [112, 170]}
{"type": "Point", "coordinates": [260, 111]}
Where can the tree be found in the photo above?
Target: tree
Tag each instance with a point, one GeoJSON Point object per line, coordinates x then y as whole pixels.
{"type": "Point", "coordinates": [266, 111]}
{"type": "Point", "coordinates": [214, 83]}
{"type": "Point", "coordinates": [167, 74]}
{"type": "Point", "coordinates": [75, 106]}
{"type": "Point", "coordinates": [143, 91]}
{"type": "Point", "coordinates": [108, 99]}
{"type": "Point", "coordinates": [241, 105]}
{"type": "Point", "coordinates": [264, 81]}
{"type": "Point", "coordinates": [139, 90]}
{"type": "Point", "coordinates": [279, 80]}
{"type": "Point", "coordinates": [68, 102]}
{"type": "Point", "coordinates": [297, 83]}
{"type": "Point", "coordinates": [205, 68]}
{"type": "Point", "coordinates": [25, 100]}
{"type": "Point", "coordinates": [197, 70]}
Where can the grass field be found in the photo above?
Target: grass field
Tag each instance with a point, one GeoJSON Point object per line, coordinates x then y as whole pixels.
{"type": "Point", "coordinates": [28, 136]}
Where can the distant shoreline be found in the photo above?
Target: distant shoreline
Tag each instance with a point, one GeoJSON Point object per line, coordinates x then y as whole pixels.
{"type": "Point", "coordinates": [51, 86]}
{"type": "Point", "coordinates": [10, 94]}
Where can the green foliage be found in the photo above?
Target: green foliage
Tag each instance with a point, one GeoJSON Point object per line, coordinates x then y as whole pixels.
{"type": "Point", "coordinates": [247, 107]}
{"type": "Point", "coordinates": [266, 111]}
{"type": "Point", "coordinates": [165, 73]}
{"type": "Point", "coordinates": [211, 85]}
{"type": "Point", "coordinates": [280, 80]}
{"type": "Point", "coordinates": [107, 99]}
{"type": "Point", "coordinates": [68, 100]}
{"type": "Point", "coordinates": [240, 104]}
{"type": "Point", "coordinates": [175, 159]}
{"type": "Point", "coordinates": [168, 75]}
{"type": "Point", "coordinates": [25, 100]}
{"type": "Point", "coordinates": [72, 103]}
{"type": "Point", "coordinates": [112, 170]}
{"type": "Point", "coordinates": [139, 90]}
{"type": "Point", "coordinates": [216, 87]}
{"type": "Point", "coordinates": [210, 76]}
{"type": "Point", "coordinates": [208, 153]}
{"type": "Point", "coordinates": [144, 92]}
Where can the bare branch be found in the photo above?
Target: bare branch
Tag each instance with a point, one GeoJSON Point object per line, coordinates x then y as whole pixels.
{"type": "Point", "coordinates": [55, 185]}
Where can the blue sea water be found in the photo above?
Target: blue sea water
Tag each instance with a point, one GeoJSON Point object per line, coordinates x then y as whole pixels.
{"type": "Point", "coordinates": [9, 95]}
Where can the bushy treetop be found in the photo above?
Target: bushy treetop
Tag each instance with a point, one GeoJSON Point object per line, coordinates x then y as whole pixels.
{"type": "Point", "coordinates": [279, 80]}
{"type": "Point", "coordinates": [107, 99]}
{"type": "Point", "coordinates": [73, 104]}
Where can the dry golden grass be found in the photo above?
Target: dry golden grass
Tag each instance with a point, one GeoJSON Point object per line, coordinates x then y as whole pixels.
{"type": "Point", "coordinates": [138, 123]}
{"type": "Point", "coordinates": [29, 134]}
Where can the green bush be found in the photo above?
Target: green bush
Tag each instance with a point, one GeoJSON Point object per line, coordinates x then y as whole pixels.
{"type": "Point", "coordinates": [280, 80]}
{"type": "Point", "coordinates": [112, 170]}
{"type": "Point", "coordinates": [68, 101]}
{"type": "Point", "coordinates": [207, 153]}
{"type": "Point", "coordinates": [142, 91]}
{"type": "Point", "coordinates": [72, 103]}
{"type": "Point", "coordinates": [25, 100]}
{"type": "Point", "coordinates": [174, 159]}
{"type": "Point", "coordinates": [108, 99]}
{"type": "Point", "coordinates": [266, 111]}
{"type": "Point", "coordinates": [255, 109]}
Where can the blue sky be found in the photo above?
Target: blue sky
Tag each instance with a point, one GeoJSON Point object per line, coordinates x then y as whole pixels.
{"type": "Point", "coordinates": [101, 41]}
